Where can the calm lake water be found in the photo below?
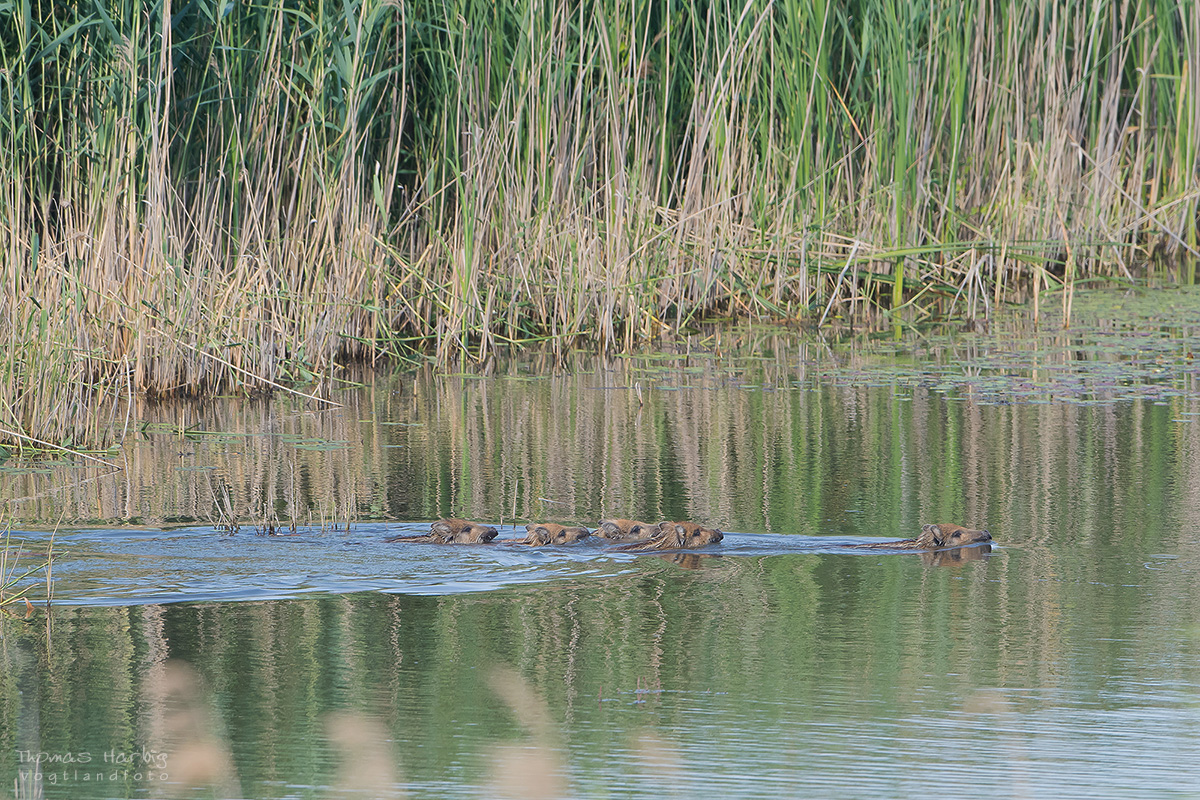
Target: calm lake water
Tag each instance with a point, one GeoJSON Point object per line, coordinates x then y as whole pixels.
{"type": "Point", "coordinates": [188, 655]}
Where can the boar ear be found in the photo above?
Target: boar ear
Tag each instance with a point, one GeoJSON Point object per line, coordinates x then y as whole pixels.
{"type": "Point", "coordinates": [934, 533]}
{"type": "Point", "coordinates": [530, 527]}
{"type": "Point", "coordinates": [440, 528]}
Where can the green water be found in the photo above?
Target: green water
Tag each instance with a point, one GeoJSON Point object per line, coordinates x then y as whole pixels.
{"type": "Point", "coordinates": [1063, 663]}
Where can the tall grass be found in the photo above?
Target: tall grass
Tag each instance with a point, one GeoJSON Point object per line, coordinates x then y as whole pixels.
{"type": "Point", "coordinates": [221, 196]}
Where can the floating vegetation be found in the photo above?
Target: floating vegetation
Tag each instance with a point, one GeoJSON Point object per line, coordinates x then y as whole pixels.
{"type": "Point", "coordinates": [1141, 348]}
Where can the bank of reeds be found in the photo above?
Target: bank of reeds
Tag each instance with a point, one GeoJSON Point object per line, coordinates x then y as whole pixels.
{"type": "Point", "coordinates": [219, 196]}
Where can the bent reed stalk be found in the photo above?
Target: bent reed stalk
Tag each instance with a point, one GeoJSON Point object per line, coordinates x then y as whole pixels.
{"type": "Point", "coordinates": [13, 572]}
{"type": "Point", "coordinates": [221, 196]}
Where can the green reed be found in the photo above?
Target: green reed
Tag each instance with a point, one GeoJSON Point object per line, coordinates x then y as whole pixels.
{"type": "Point", "coordinates": [232, 196]}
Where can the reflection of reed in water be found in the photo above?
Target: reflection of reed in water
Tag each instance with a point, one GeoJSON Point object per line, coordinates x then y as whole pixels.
{"type": "Point", "coordinates": [773, 621]}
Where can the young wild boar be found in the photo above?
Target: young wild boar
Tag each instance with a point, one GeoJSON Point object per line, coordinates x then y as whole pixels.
{"type": "Point", "coordinates": [543, 533]}
{"type": "Point", "coordinates": [678, 536]}
{"type": "Point", "coordinates": [936, 537]}
{"type": "Point", "coordinates": [625, 530]}
{"type": "Point", "coordinates": [452, 531]}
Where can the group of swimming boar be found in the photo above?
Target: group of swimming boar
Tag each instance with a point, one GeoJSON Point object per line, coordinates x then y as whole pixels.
{"type": "Point", "coordinates": [660, 536]}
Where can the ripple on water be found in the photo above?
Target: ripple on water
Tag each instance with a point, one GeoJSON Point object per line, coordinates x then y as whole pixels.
{"type": "Point", "coordinates": [124, 567]}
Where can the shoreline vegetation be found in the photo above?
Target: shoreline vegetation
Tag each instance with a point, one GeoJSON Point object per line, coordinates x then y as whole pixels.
{"type": "Point", "coordinates": [234, 197]}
